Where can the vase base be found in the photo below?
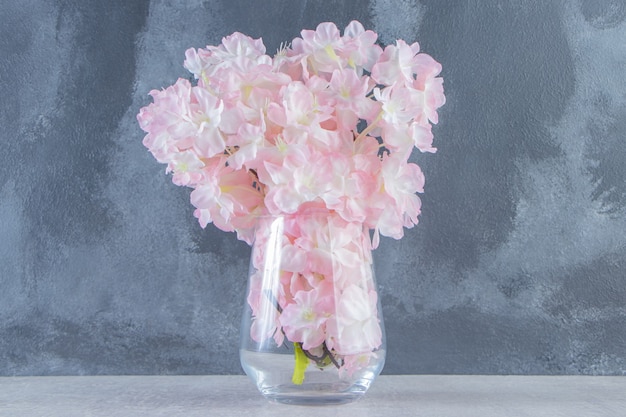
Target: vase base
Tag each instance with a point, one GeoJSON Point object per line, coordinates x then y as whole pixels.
{"type": "Point", "coordinates": [312, 394]}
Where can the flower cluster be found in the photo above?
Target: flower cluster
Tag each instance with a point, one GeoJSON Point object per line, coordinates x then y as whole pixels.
{"type": "Point", "coordinates": [326, 125]}
{"type": "Point", "coordinates": [313, 285]}
{"type": "Point", "coordinates": [329, 121]}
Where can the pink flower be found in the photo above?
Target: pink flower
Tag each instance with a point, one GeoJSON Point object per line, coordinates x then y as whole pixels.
{"type": "Point", "coordinates": [349, 92]}
{"type": "Point", "coordinates": [227, 198]}
{"type": "Point", "coordinates": [427, 87]}
{"type": "Point", "coordinates": [197, 62]}
{"type": "Point", "coordinates": [319, 48]}
{"type": "Point", "coordinates": [240, 45]}
{"type": "Point", "coordinates": [396, 64]}
{"type": "Point", "coordinates": [422, 137]}
{"type": "Point", "coordinates": [206, 115]}
{"type": "Point", "coordinates": [251, 89]}
{"type": "Point", "coordinates": [277, 173]}
{"type": "Point", "coordinates": [360, 47]}
{"type": "Point", "coordinates": [187, 168]}
{"type": "Point", "coordinates": [299, 108]}
{"type": "Point", "coordinates": [304, 320]}
{"type": "Point", "coordinates": [248, 140]}
{"type": "Point", "coordinates": [167, 120]}
{"type": "Point", "coordinates": [397, 107]}
{"type": "Point", "coordinates": [265, 323]}
{"type": "Point", "coordinates": [401, 182]}
{"type": "Point", "coordinates": [331, 247]}
{"type": "Point", "coordinates": [355, 363]}
{"type": "Point", "coordinates": [396, 138]}
{"type": "Point", "coordinates": [355, 329]}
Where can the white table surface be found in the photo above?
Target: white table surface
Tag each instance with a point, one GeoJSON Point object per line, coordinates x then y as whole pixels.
{"type": "Point", "coordinates": [397, 396]}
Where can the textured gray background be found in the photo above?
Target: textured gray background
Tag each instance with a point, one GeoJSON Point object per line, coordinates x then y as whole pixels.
{"type": "Point", "coordinates": [518, 263]}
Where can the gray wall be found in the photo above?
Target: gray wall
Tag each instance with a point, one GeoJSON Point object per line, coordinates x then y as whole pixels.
{"type": "Point", "coordinates": [518, 264]}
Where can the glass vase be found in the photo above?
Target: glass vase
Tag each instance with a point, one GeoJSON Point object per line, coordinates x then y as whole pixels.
{"type": "Point", "coordinates": [312, 329]}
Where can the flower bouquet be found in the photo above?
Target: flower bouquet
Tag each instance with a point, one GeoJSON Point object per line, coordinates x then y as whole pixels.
{"type": "Point", "coordinates": [305, 155]}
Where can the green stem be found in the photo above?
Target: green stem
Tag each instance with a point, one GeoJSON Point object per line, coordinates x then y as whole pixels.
{"type": "Point", "coordinates": [300, 366]}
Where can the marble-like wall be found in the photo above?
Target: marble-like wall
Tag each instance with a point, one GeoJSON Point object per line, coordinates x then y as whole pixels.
{"type": "Point", "coordinates": [518, 264]}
